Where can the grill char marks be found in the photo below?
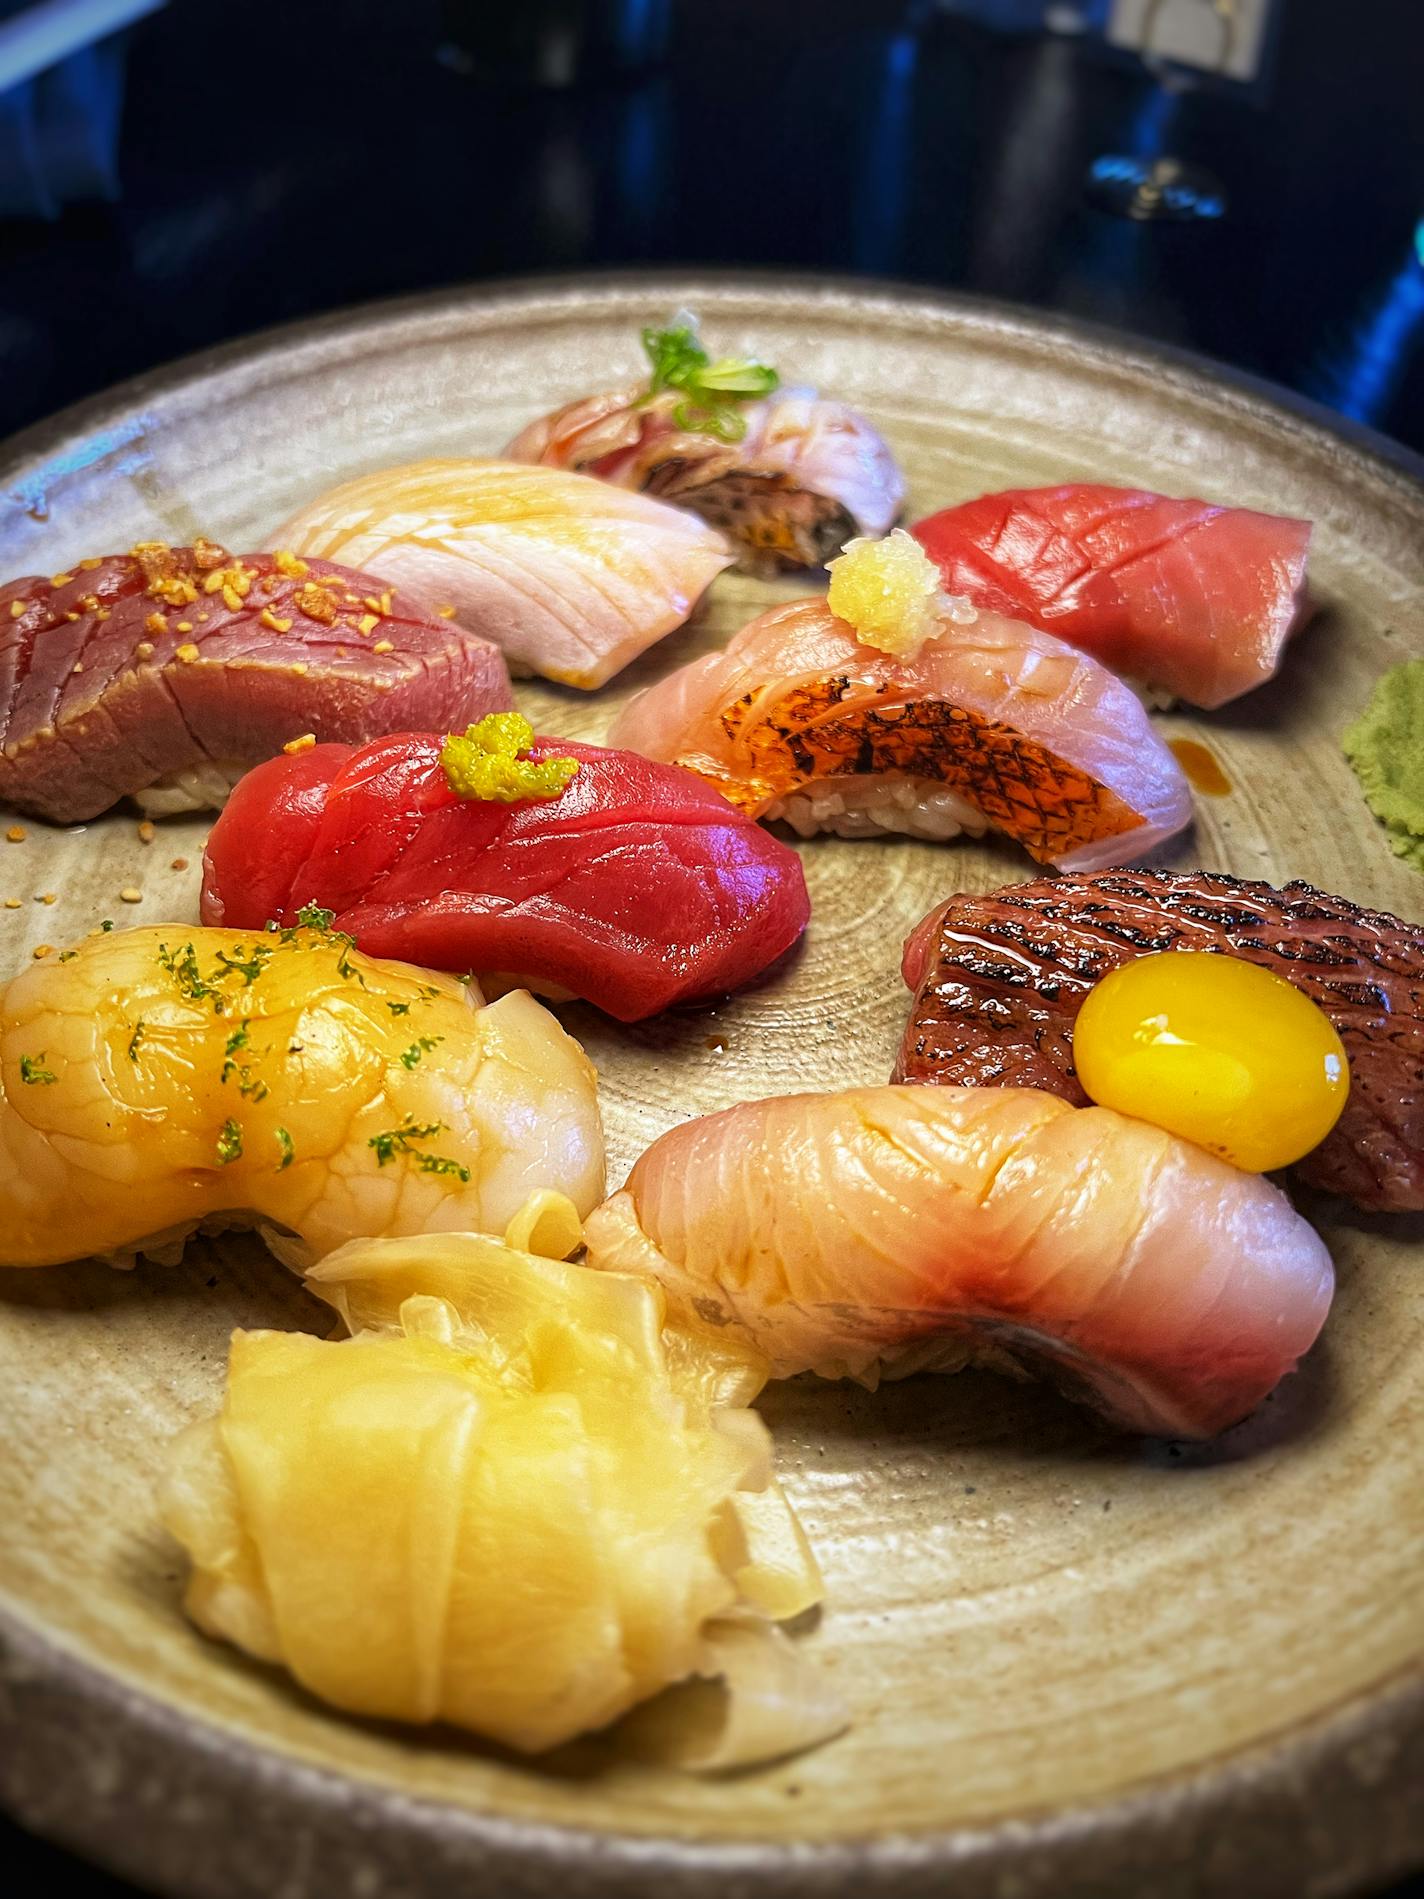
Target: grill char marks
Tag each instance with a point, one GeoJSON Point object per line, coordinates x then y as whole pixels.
{"type": "Point", "coordinates": [999, 980]}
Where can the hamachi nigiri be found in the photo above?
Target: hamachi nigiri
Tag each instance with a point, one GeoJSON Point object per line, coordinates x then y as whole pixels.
{"type": "Point", "coordinates": [162, 674]}
{"type": "Point", "coordinates": [787, 475]}
{"type": "Point", "coordinates": [568, 576]}
{"type": "Point", "coordinates": [623, 881]}
{"type": "Point", "coordinates": [889, 1230]}
{"type": "Point", "coordinates": [1192, 599]}
{"type": "Point", "coordinates": [156, 1078]}
{"type": "Point", "coordinates": [974, 724]}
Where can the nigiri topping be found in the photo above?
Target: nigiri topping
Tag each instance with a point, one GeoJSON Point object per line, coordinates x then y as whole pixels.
{"type": "Point", "coordinates": [713, 390]}
{"type": "Point", "coordinates": [888, 592]}
{"type": "Point", "coordinates": [1218, 1050]}
{"type": "Point", "coordinates": [489, 762]}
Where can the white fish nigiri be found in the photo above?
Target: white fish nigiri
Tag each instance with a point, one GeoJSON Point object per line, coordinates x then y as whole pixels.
{"type": "Point", "coordinates": [888, 1230]}
{"type": "Point", "coordinates": [156, 1078]}
{"type": "Point", "coordinates": [570, 577]}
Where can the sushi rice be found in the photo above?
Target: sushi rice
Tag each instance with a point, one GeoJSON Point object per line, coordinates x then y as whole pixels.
{"type": "Point", "coordinates": [873, 806]}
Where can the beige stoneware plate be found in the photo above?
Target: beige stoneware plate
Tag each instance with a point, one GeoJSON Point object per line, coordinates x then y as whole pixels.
{"type": "Point", "coordinates": [1077, 1664]}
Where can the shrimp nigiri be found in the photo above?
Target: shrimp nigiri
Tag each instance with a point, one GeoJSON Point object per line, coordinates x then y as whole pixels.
{"type": "Point", "coordinates": [569, 577]}
{"type": "Point", "coordinates": [920, 722]}
{"type": "Point", "coordinates": [787, 475]}
{"type": "Point", "coordinates": [156, 1078]}
{"type": "Point", "coordinates": [888, 1230]}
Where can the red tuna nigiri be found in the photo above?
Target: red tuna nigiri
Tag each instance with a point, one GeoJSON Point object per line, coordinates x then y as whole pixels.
{"type": "Point", "coordinates": [891, 1230]}
{"type": "Point", "coordinates": [635, 887]}
{"type": "Point", "coordinates": [1190, 598]}
{"type": "Point", "coordinates": [163, 673]}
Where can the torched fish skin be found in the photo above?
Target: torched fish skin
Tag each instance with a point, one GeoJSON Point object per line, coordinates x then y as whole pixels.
{"type": "Point", "coordinates": [888, 1230]}
{"type": "Point", "coordinates": [156, 1078]}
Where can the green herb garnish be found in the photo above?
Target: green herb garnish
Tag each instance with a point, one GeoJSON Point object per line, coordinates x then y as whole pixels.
{"type": "Point", "coordinates": [488, 763]}
{"type": "Point", "coordinates": [399, 1008]}
{"type": "Point", "coordinates": [135, 1039]}
{"type": "Point", "coordinates": [311, 916]}
{"type": "Point", "coordinates": [229, 1143]}
{"type": "Point", "coordinates": [33, 1071]}
{"type": "Point", "coordinates": [284, 1143]}
{"type": "Point", "coordinates": [713, 391]}
{"type": "Point", "coordinates": [401, 1140]}
{"type": "Point", "coordinates": [423, 1046]}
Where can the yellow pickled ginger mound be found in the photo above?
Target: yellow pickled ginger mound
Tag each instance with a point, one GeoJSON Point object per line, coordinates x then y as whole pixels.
{"type": "Point", "coordinates": [888, 592]}
{"type": "Point", "coordinates": [502, 1503]}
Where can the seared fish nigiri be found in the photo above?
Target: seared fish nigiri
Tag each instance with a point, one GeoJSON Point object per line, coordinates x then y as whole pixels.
{"type": "Point", "coordinates": [890, 1230]}
{"type": "Point", "coordinates": [788, 475]}
{"type": "Point", "coordinates": [1193, 599]}
{"type": "Point", "coordinates": [973, 725]}
{"type": "Point", "coordinates": [162, 674]}
{"type": "Point", "coordinates": [153, 1079]}
{"type": "Point", "coordinates": [569, 577]}
{"type": "Point", "coordinates": [511, 1501]}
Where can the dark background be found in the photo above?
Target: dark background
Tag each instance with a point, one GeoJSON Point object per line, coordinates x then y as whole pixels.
{"type": "Point", "coordinates": [275, 160]}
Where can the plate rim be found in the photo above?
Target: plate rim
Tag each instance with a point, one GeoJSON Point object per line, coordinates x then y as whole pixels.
{"type": "Point", "coordinates": [1365, 1752]}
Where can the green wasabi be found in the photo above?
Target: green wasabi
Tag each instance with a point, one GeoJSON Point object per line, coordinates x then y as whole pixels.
{"type": "Point", "coordinates": [1385, 747]}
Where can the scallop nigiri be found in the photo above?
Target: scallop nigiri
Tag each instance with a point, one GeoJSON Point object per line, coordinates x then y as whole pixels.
{"type": "Point", "coordinates": [568, 576]}
{"type": "Point", "coordinates": [153, 1079]}
{"type": "Point", "coordinates": [787, 474]}
{"type": "Point", "coordinates": [576, 869]}
{"type": "Point", "coordinates": [888, 1230]}
{"type": "Point", "coordinates": [163, 673]}
{"type": "Point", "coordinates": [1192, 599]}
{"type": "Point", "coordinates": [914, 713]}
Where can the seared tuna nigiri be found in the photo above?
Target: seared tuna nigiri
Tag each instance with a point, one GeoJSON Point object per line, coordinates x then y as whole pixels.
{"type": "Point", "coordinates": [989, 725]}
{"type": "Point", "coordinates": [999, 981]}
{"type": "Point", "coordinates": [155, 1078]}
{"type": "Point", "coordinates": [633, 885]}
{"type": "Point", "coordinates": [787, 475]}
{"type": "Point", "coordinates": [890, 1230]}
{"type": "Point", "coordinates": [1190, 598]}
{"type": "Point", "coordinates": [568, 576]}
{"type": "Point", "coordinates": [163, 674]}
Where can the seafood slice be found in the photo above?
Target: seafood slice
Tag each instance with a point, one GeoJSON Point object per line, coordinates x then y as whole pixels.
{"type": "Point", "coordinates": [987, 725]}
{"type": "Point", "coordinates": [164, 673]}
{"type": "Point", "coordinates": [999, 980]}
{"type": "Point", "coordinates": [152, 1079]}
{"type": "Point", "coordinates": [890, 1230]}
{"type": "Point", "coordinates": [568, 576]}
{"type": "Point", "coordinates": [632, 885]}
{"type": "Point", "coordinates": [1190, 598]}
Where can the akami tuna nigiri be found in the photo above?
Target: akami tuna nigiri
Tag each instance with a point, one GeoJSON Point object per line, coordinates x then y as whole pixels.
{"type": "Point", "coordinates": [786, 474]}
{"type": "Point", "coordinates": [974, 726]}
{"type": "Point", "coordinates": [568, 576]}
{"type": "Point", "coordinates": [1187, 597]}
{"type": "Point", "coordinates": [152, 1079]}
{"type": "Point", "coordinates": [164, 673]}
{"type": "Point", "coordinates": [890, 1230]}
{"type": "Point", "coordinates": [623, 881]}
{"type": "Point", "coordinates": [999, 980]}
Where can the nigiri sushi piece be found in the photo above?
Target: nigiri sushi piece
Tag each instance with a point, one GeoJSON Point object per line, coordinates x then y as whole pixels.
{"type": "Point", "coordinates": [512, 1501]}
{"type": "Point", "coordinates": [162, 674]}
{"type": "Point", "coordinates": [999, 980]}
{"type": "Point", "coordinates": [921, 722]}
{"type": "Point", "coordinates": [888, 1230]}
{"type": "Point", "coordinates": [1194, 600]}
{"type": "Point", "coordinates": [786, 474]}
{"type": "Point", "coordinates": [154, 1079]}
{"type": "Point", "coordinates": [568, 576]}
{"type": "Point", "coordinates": [625, 882]}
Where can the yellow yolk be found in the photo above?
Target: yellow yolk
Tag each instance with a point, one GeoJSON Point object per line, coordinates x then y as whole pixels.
{"type": "Point", "coordinates": [1217, 1050]}
{"type": "Point", "coordinates": [888, 592]}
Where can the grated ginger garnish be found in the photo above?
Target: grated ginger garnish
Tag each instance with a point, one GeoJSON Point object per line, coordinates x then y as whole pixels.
{"type": "Point", "coordinates": [888, 592]}
{"type": "Point", "coordinates": [487, 762]}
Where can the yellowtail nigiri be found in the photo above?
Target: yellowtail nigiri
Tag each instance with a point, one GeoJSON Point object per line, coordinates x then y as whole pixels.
{"type": "Point", "coordinates": [570, 577]}
{"type": "Point", "coordinates": [916, 714]}
{"type": "Point", "coordinates": [898, 1229]}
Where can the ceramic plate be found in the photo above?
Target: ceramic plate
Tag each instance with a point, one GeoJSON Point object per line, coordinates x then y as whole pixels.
{"type": "Point", "coordinates": [1076, 1663]}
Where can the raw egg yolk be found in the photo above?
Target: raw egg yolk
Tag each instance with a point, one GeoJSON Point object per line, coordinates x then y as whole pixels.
{"type": "Point", "coordinates": [1215, 1049]}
